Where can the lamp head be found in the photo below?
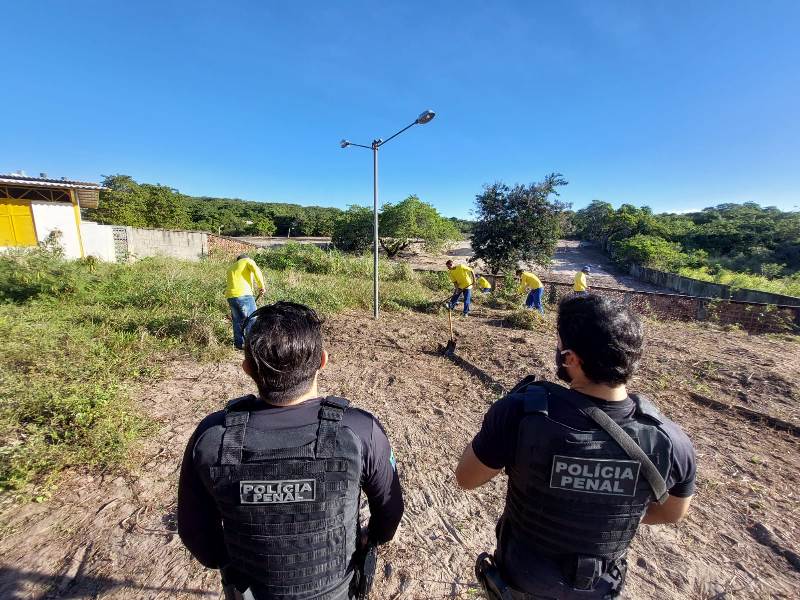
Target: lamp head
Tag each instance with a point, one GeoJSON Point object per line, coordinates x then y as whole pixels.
{"type": "Point", "coordinates": [344, 143]}
{"type": "Point", "coordinates": [425, 117]}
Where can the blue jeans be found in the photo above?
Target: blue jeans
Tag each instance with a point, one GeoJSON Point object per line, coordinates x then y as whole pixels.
{"type": "Point", "coordinates": [241, 308]}
{"type": "Point", "coordinates": [467, 299]}
{"type": "Point", "coordinates": [534, 299]}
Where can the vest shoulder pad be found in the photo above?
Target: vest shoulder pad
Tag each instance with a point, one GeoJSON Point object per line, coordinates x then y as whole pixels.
{"type": "Point", "coordinates": [645, 407]}
{"type": "Point", "coordinates": [534, 395]}
{"type": "Point", "coordinates": [528, 380]}
{"type": "Point", "coordinates": [239, 404]}
{"type": "Point", "coordinates": [336, 402]}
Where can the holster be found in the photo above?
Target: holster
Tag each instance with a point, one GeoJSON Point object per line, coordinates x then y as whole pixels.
{"type": "Point", "coordinates": [488, 575]}
{"type": "Point", "coordinates": [229, 588]}
{"type": "Point", "coordinates": [366, 563]}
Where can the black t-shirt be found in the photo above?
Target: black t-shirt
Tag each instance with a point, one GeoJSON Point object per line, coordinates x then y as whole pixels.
{"type": "Point", "coordinates": [199, 521]}
{"type": "Point", "coordinates": [495, 444]}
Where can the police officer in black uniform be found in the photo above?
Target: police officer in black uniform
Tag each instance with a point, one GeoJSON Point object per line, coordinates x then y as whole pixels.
{"type": "Point", "coordinates": [269, 488]}
{"type": "Point", "coordinates": [586, 465]}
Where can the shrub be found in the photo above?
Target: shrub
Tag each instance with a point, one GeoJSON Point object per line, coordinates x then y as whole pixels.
{"type": "Point", "coordinates": [523, 319]}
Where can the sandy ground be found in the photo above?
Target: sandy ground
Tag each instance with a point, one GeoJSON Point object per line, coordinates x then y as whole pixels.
{"type": "Point", "coordinates": [570, 257]}
{"type": "Point", "coordinates": [112, 536]}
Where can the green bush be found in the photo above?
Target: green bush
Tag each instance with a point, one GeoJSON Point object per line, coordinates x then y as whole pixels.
{"type": "Point", "coordinates": [523, 319]}
{"type": "Point", "coordinates": [789, 286]}
{"type": "Point", "coordinates": [650, 251]}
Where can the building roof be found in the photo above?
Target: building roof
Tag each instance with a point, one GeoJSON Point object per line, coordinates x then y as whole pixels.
{"type": "Point", "coordinates": [13, 179]}
{"type": "Point", "coordinates": [54, 190]}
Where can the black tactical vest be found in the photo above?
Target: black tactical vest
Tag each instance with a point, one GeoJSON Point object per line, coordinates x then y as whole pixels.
{"type": "Point", "coordinates": [290, 505]}
{"type": "Point", "coordinates": [575, 493]}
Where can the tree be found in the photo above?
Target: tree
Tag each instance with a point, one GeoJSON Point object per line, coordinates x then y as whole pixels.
{"type": "Point", "coordinates": [121, 203]}
{"type": "Point", "coordinates": [412, 220]}
{"type": "Point", "coordinates": [518, 224]}
{"type": "Point", "coordinates": [126, 202]}
{"type": "Point", "coordinates": [353, 230]}
{"type": "Point", "coordinates": [164, 207]}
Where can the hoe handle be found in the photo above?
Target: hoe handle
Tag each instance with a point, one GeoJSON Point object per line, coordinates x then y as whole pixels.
{"type": "Point", "coordinates": [450, 319]}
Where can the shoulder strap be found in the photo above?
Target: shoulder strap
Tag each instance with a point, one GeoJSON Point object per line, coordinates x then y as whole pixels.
{"type": "Point", "coordinates": [528, 380]}
{"type": "Point", "coordinates": [645, 407]}
{"type": "Point", "coordinates": [331, 411]}
{"type": "Point", "coordinates": [236, 417]}
{"type": "Point", "coordinates": [625, 441]}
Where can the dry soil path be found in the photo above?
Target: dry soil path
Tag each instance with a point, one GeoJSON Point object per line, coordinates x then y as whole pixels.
{"type": "Point", "coordinates": [113, 536]}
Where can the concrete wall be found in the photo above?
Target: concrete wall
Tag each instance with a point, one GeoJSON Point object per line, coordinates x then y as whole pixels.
{"type": "Point", "coordinates": [98, 240]}
{"type": "Point", "coordinates": [188, 245]}
{"type": "Point", "coordinates": [48, 216]}
{"type": "Point", "coordinates": [706, 289]}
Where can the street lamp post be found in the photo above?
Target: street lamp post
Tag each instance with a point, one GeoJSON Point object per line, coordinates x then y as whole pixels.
{"type": "Point", "coordinates": [425, 117]}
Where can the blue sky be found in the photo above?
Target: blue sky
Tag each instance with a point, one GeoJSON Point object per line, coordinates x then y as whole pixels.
{"type": "Point", "coordinates": [677, 105]}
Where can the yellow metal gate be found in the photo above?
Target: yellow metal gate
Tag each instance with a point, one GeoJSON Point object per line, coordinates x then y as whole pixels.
{"type": "Point", "coordinates": [16, 223]}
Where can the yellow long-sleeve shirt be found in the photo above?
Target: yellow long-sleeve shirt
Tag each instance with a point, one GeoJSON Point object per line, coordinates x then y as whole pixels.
{"type": "Point", "coordinates": [580, 282]}
{"type": "Point", "coordinates": [462, 276]}
{"type": "Point", "coordinates": [529, 281]}
{"type": "Point", "coordinates": [242, 277]}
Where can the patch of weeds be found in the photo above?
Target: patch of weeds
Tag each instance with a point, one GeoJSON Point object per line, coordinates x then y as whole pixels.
{"type": "Point", "coordinates": [524, 319]}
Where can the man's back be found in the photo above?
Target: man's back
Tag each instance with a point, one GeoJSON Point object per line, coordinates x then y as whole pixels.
{"type": "Point", "coordinates": [241, 277]}
{"type": "Point", "coordinates": [285, 497]}
{"type": "Point", "coordinates": [572, 490]}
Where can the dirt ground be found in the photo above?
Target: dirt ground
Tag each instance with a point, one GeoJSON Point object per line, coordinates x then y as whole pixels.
{"type": "Point", "coordinates": [113, 536]}
{"type": "Point", "coordinates": [570, 257]}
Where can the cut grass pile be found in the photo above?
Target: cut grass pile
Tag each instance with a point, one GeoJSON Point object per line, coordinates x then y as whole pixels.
{"type": "Point", "coordinates": [77, 334]}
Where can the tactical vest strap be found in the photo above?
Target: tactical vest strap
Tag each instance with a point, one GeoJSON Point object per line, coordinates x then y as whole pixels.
{"type": "Point", "coordinates": [647, 408]}
{"type": "Point", "coordinates": [233, 437]}
{"type": "Point", "coordinates": [535, 401]}
{"type": "Point", "coordinates": [625, 441]}
{"type": "Point", "coordinates": [331, 411]}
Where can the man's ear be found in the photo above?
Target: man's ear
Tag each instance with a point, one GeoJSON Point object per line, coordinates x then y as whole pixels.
{"type": "Point", "coordinates": [247, 367]}
{"type": "Point", "coordinates": [571, 359]}
{"type": "Point", "coordinates": [324, 360]}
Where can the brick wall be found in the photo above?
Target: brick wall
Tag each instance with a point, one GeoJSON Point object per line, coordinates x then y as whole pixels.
{"type": "Point", "coordinates": [752, 317]}
{"type": "Point", "coordinates": [218, 244]}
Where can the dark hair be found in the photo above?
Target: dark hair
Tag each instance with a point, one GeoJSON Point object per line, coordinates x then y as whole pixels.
{"type": "Point", "coordinates": [605, 334]}
{"type": "Point", "coordinates": [241, 256]}
{"type": "Point", "coordinates": [518, 271]}
{"type": "Point", "coordinates": [448, 263]}
{"type": "Point", "coordinates": [284, 346]}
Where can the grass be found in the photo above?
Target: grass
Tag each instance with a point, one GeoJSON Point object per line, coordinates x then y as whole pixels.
{"type": "Point", "coordinates": [788, 286]}
{"type": "Point", "coordinates": [77, 335]}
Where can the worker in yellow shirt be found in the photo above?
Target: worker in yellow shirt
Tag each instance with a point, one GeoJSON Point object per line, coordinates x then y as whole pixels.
{"type": "Point", "coordinates": [242, 278]}
{"type": "Point", "coordinates": [581, 286]}
{"type": "Point", "coordinates": [529, 281]}
{"type": "Point", "coordinates": [463, 279]}
{"type": "Point", "coordinates": [483, 285]}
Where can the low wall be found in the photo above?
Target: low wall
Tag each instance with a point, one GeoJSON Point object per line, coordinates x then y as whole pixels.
{"type": "Point", "coordinates": [188, 245]}
{"type": "Point", "coordinates": [707, 289]}
{"type": "Point", "coordinates": [752, 317]}
{"type": "Point", "coordinates": [98, 240]}
{"type": "Point", "coordinates": [229, 246]}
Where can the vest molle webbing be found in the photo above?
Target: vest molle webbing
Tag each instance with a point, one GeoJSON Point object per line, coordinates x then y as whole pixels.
{"type": "Point", "coordinates": [577, 493]}
{"type": "Point", "coordinates": [290, 505]}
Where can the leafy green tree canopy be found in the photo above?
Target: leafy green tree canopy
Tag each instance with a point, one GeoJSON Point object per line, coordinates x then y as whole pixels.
{"type": "Point", "coordinates": [126, 202]}
{"type": "Point", "coordinates": [411, 220]}
{"type": "Point", "coordinates": [518, 224]}
{"type": "Point", "coordinates": [353, 230]}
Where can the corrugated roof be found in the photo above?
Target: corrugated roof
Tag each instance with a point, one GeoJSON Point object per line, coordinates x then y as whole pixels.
{"type": "Point", "coordinates": [11, 179]}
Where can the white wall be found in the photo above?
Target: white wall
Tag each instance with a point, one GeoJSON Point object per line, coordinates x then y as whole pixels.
{"type": "Point", "coordinates": [188, 245]}
{"type": "Point", "coordinates": [98, 240]}
{"type": "Point", "coordinates": [48, 216]}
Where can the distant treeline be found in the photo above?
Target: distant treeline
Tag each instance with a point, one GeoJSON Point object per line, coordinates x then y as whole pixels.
{"type": "Point", "coordinates": [740, 237]}
{"type": "Point", "coordinates": [127, 202]}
